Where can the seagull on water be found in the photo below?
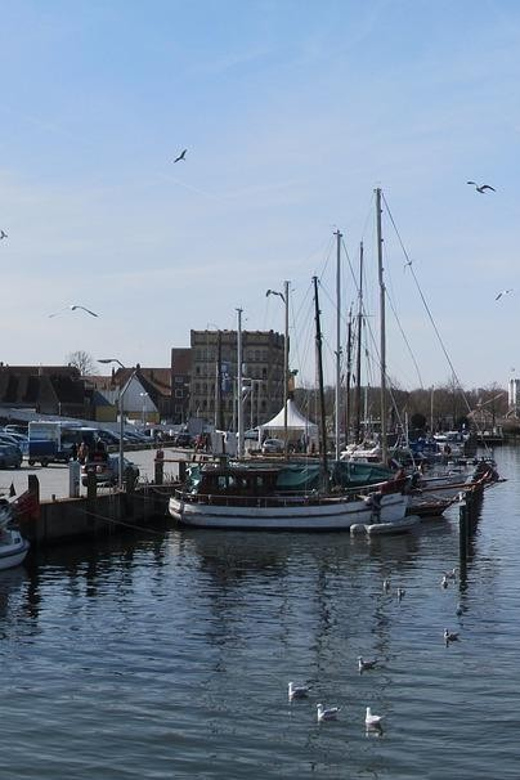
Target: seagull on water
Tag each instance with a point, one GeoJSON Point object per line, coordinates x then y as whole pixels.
{"type": "Point", "coordinates": [450, 636]}
{"type": "Point", "coordinates": [482, 187]}
{"type": "Point", "coordinates": [400, 594]}
{"type": "Point", "coordinates": [451, 574]}
{"type": "Point", "coordinates": [298, 691]}
{"type": "Point", "coordinates": [74, 307]}
{"type": "Point", "coordinates": [372, 721]}
{"type": "Point", "coordinates": [503, 292]}
{"type": "Point", "coordinates": [364, 665]}
{"type": "Point", "coordinates": [386, 586]}
{"type": "Point", "coordinates": [444, 581]}
{"type": "Point", "coordinates": [327, 714]}
{"type": "Point", "coordinates": [3, 234]}
{"type": "Point", "coordinates": [181, 156]}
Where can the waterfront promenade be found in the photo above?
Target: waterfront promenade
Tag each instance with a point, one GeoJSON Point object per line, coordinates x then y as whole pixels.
{"type": "Point", "coordinates": [54, 479]}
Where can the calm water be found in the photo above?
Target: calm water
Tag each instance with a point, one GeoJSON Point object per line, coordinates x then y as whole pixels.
{"type": "Point", "coordinates": [168, 655]}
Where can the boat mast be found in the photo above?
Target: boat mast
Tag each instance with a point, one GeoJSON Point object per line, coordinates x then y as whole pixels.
{"type": "Point", "coordinates": [338, 339]}
{"type": "Point", "coordinates": [384, 451]}
{"type": "Point", "coordinates": [348, 414]}
{"type": "Point", "coordinates": [240, 409]}
{"type": "Point", "coordinates": [359, 347]}
{"type": "Point", "coordinates": [286, 366]}
{"type": "Point", "coordinates": [323, 426]}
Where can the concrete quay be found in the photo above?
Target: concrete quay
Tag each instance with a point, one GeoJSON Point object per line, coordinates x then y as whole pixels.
{"type": "Point", "coordinates": [100, 511]}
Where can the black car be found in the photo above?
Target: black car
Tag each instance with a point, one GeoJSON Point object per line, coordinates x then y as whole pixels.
{"type": "Point", "coordinates": [183, 440]}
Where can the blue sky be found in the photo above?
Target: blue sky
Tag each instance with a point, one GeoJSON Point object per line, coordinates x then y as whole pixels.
{"type": "Point", "coordinates": [292, 112]}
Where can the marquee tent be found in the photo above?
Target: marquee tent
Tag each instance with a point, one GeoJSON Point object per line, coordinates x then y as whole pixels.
{"type": "Point", "coordinates": [297, 425]}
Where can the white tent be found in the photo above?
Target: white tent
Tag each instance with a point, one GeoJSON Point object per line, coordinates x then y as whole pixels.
{"type": "Point", "coordinates": [297, 425]}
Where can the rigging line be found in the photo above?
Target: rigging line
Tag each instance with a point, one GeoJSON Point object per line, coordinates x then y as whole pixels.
{"type": "Point", "coordinates": [425, 303]}
{"type": "Point", "coordinates": [409, 348]}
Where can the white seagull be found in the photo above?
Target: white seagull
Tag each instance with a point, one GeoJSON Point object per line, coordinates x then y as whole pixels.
{"type": "Point", "coordinates": [364, 665]}
{"type": "Point", "coordinates": [181, 156]}
{"type": "Point", "coordinates": [482, 187]}
{"type": "Point", "coordinates": [450, 636]}
{"type": "Point", "coordinates": [74, 307]}
{"type": "Point", "coordinates": [3, 234]}
{"type": "Point", "coordinates": [400, 594]}
{"type": "Point", "coordinates": [444, 581]}
{"type": "Point", "coordinates": [501, 293]}
{"type": "Point", "coordinates": [329, 714]}
{"type": "Point", "coordinates": [386, 586]}
{"type": "Point", "coordinates": [372, 721]}
{"type": "Point", "coordinates": [298, 691]}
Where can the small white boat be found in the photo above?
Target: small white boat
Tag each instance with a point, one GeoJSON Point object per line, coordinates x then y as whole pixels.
{"type": "Point", "coordinates": [398, 526]}
{"type": "Point", "coordinates": [13, 547]}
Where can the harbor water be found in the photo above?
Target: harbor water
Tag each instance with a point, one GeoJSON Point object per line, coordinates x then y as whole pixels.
{"type": "Point", "coordinates": [167, 654]}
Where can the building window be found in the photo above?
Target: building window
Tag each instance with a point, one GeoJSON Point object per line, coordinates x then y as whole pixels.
{"type": "Point", "coordinates": [179, 394]}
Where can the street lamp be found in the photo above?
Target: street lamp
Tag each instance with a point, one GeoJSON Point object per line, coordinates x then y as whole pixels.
{"type": "Point", "coordinates": [122, 392]}
{"type": "Point", "coordinates": [144, 396]}
{"type": "Point", "coordinates": [285, 298]}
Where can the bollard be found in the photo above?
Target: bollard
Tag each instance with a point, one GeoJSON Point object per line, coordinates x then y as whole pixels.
{"type": "Point", "coordinates": [91, 485]}
{"type": "Point", "coordinates": [74, 478]}
{"type": "Point", "coordinates": [463, 533]}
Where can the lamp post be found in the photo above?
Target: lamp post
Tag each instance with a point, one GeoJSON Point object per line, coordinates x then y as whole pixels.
{"type": "Point", "coordinates": [144, 396]}
{"type": "Point", "coordinates": [122, 392]}
{"type": "Point", "coordinates": [285, 298]}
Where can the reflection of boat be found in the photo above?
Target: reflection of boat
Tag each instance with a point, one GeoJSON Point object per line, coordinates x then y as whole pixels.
{"type": "Point", "coordinates": [259, 497]}
{"type": "Point", "coordinates": [13, 547]}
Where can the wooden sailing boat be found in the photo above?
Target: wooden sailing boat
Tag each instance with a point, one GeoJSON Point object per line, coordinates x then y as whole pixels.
{"type": "Point", "coordinates": [252, 495]}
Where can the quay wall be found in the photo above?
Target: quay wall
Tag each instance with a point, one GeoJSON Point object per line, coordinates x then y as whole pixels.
{"type": "Point", "coordinates": [65, 519]}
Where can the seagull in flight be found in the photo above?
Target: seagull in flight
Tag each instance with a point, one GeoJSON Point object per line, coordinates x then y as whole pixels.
{"type": "Point", "coordinates": [274, 292]}
{"type": "Point", "coordinates": [503, 292]}
{"type": "Point", "coordinates": [482, 187]}
{"type": "Point", "coordinates": [74, 307]}
{"type": "Point", "coordinates": [182, 156]}
{"type": "Point", "coordinates": [3, 234]}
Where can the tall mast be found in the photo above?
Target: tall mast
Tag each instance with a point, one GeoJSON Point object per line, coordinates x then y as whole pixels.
{"type": "Point", "coordinates": [338, 338]}
{"type": "Point", "coordinates": [240, 409]}
{"type": "Point", "coordinates": [323, 426]}
{"type": "Point", "coordinates": [359, 347]}
{"type": "Point", "coordinates": [348, 405]}
{"type": "Point", "coordinates": [286, 365]}
{"type": "Point", "coordinates": [382, 325]}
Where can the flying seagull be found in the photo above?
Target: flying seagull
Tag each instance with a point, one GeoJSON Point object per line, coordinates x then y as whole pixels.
{"type": "Point", "coordinates": [274, 292]}
{"type": "Point", "coordinates": [74, 307]}
{"type": "Point", "coordinates": [3, 234]}
{"type": "Point", "coordinates": [182, 156]}
{"type": "Point", "coordinates": [482, 187]}
{"type": "Point", "coordinates": [503, 292]}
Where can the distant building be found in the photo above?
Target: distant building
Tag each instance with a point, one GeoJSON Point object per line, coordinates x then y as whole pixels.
{"type": "Point", "coordinates": [213, 381]}
{"type": "Point", "coordinates": [56, 390]}
{"type": "Point", "coordinates": [181, 375]}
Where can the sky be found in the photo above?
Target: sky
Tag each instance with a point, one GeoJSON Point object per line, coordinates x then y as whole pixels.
{"type": "Point", "coordinates": [292, 113]}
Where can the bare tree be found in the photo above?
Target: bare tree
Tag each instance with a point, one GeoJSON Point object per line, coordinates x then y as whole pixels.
{"type": "Point", "coordinates": [82, 360]}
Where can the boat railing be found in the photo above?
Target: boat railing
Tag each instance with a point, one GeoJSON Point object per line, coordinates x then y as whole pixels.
{"type": "Point", "coordinates": [283, 498]}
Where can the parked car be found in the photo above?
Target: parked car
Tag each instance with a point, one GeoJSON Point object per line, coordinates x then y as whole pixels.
{"type": "Point", "coordinates": [183, 440]}
{"type": "Point", "coordinates": [272, 446]}
{"type": "Point", "coordinates": [10, 456]}
{"type": "Point", "coordinates": [107, 472]}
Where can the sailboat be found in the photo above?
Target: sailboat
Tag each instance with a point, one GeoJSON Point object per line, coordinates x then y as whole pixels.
{"type": "Point", "coordinates": [284, 496]}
